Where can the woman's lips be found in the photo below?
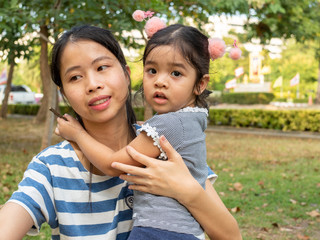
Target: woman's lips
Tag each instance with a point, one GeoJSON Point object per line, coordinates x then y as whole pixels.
{"type": "Point", "coordinates": [100, 103]}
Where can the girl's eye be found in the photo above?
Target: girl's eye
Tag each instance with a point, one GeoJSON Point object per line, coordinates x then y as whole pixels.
{"type": "Point", "coordinates": [152, 71]}
{"type": "Point", "coordinates": [176, 74]}
{"type": "Point", "coordinates": [101, 68]}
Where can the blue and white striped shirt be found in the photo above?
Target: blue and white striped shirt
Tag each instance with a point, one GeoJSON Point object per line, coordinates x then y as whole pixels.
{"type": "Point", "coordinates": [56, 189]}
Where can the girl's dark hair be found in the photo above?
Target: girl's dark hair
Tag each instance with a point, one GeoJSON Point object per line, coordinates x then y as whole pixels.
{"type": "Point", "coordinates": [103, 37]}
{"type": "Point", "coordinates": [192, 44]}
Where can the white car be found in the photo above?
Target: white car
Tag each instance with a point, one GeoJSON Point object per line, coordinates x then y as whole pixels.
{"type": "Point", "coordinates": [19, 94]}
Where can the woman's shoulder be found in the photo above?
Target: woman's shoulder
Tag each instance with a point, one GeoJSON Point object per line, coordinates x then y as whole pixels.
{"type": "Point", "coordinates": [61, 153]}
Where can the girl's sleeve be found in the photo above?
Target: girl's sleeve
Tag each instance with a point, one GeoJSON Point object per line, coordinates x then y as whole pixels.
{"type": "Point", "coordinates": [168, 125]}
{"type": "Point", "coordinates": [35, 195]}
{"type": "Point", "coordinates": [212, 177]}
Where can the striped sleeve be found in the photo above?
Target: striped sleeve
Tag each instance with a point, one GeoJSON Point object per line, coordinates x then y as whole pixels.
{"type": "Point", "coordinates": [36, 196]}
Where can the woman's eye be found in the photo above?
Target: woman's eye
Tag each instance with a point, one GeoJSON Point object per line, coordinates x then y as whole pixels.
{"type": "Point", "coordinates": [152, 71]}
{"type": "Point", "coordinates": [101, 68]}
{"type": "Point", "coordinates": [176, 74]}
{"type": "Point", "coordinates": [74, 78]}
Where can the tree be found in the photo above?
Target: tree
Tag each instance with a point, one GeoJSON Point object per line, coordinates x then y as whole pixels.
{"type": "Point", "coordinates": [50, 18]}
{"type": "Point", "coordinates": [298, 19]}
{"type": "Point", "coordinates": [12, 43]}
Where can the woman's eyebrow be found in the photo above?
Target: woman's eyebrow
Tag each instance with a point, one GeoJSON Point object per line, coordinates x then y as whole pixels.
{"type": "Point", "coordinates": [71, 69]}
{"type": "Point", "coordinates": [101, 58]}
{"type": "Point", "coordinates": [92, 63]}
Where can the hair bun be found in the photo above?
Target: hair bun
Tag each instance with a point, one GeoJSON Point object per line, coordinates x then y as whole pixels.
{"type": "Point", "coordinates": [153, 25]}
{"type": "Point", "coordinates": [235, 53]}
{"type": "Point", "coordinates": [217, 48]}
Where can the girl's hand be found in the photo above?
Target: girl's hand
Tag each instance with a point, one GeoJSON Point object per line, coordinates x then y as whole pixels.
{"type": "Point", "coordinates": [70, 129]}
{"type": "Point", "coordinates": [166, 178]}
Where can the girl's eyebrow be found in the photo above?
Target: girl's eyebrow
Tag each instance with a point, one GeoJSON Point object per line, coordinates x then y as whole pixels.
{"type": "Point", "coordinates": [173, 64]}
{"type": "Point", "coordinates": [93, 62]}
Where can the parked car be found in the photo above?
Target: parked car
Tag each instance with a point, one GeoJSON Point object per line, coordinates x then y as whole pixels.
{"type": "Point", "coordinates": [19, 94]}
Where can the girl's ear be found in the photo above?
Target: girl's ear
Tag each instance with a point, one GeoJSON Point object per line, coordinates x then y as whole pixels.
{"type": "Point", "coordinates": [202, 85]}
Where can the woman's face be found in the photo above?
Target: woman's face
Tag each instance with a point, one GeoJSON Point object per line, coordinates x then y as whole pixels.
{"type": "Point", "coordinates": [93, 81]}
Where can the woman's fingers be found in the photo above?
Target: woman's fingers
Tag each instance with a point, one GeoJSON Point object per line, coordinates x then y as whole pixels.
{"type": "Point", "coordinates": [143, 159]}
{"type": "Point", "coordinates": [172, 154]}
{"type": "Point", "coordinates": [133, 170]}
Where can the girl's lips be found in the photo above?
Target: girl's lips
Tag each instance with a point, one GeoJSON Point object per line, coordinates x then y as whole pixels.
{"type": "Point", "coordinates": [160, 98]}
{"type": "Point", "coordinates": [100, 103]}
{"type": "Point", "coordinates": [159, 95]}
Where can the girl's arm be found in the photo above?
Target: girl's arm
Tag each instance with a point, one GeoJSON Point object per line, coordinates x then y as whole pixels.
{"type": "Point", "coordinates": [99, 154]}
{"type": "Point", "coordinates": [169, 178]}
{"type": "Point", "coordinates": [15, 221]}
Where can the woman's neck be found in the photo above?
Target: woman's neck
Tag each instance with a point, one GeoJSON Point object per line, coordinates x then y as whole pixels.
{"type": "Point", "coordinates": [114, 134]}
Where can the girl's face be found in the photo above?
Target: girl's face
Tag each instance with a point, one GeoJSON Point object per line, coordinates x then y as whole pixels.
{"type": "Point", "coordinates": [93, 81]}
{"type": "Point", "coordinates": [168, 80]}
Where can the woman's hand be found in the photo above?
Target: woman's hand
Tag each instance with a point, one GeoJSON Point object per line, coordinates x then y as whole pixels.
{"type": "Point", "coordinates": [166, 178]}
{"type": "Point", "coordinates": [172, 178]}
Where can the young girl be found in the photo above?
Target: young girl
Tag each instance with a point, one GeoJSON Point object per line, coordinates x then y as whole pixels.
{"type": "Point", "coordinates": [176, 73]}
{"type": "Point", "coordinates": [77, 200]}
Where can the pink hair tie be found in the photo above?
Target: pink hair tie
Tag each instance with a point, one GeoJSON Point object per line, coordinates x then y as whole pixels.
{"type": "Point", "coordinates": [153, 25]}
{"type": "Point", "coordinates": [138, 15]}
{"type": "Point", "coordinates": [235, 52]}
{"type": "Point", "coordinates": [217, 48]}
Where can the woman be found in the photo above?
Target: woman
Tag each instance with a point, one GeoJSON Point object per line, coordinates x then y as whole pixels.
{"type": "Point", "coordinates": [62, 188]}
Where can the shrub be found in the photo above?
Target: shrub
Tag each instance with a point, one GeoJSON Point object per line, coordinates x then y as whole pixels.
{"type": "Point", "coordinates": [247, 98]}
{"type": "Point", "coordinates": [285, 120]}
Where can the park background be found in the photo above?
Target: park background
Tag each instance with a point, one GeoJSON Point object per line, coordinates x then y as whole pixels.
{"type": "Point", "coordinates": [270, 184]}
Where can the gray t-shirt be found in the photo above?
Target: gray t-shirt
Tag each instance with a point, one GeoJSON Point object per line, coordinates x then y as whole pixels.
{"type": "Point", "coordinates": [184, 129]}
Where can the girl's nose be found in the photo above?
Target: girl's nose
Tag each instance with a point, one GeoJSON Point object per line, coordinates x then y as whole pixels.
{"type": "Point", "coordinates": [161, 82]}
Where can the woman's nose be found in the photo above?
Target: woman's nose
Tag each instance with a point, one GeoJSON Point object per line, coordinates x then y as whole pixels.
{"type": "Point", "coordinates": [93, 84]}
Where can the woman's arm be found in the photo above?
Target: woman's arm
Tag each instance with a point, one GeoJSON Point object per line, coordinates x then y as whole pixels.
{"type": "Point", "coordinates": [169, 178]}
{"type": "Point", "coordinates": [99, 154]}
{"type": "Point", "coordinates": [15, 221]}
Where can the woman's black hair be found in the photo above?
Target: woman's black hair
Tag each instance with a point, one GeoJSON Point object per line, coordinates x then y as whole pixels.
{"type": "Point", "coordinates": [103, 37]}
{"type": "Point", "coordinates": [193, 46]}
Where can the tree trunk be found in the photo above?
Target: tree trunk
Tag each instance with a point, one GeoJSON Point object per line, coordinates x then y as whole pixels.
{"type": "Point", "coordinates": [48, 128]}
{"type": "Point", "coordinates": [45, 76]}
{"type": "Point", "coordinates": [49, 91]}
{"type": "Point", "coordinates": [4, 107]}
{"type": "Point", "coordinates": [318, 90]}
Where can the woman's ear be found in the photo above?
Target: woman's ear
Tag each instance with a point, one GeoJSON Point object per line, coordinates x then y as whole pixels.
{"type": "Point", "coordinates": [202, 85]}
{"type": "Point", "coordinates": [129, 73]}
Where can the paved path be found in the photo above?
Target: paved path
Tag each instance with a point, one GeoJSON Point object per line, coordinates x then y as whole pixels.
{"type": "Point", "coordinates": [263, 132]}
{"type": "Point", "coordinates": [253, 131]}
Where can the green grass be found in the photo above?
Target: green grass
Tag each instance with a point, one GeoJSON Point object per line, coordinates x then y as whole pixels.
{"type": "Point", "coordinates": [269, 184]}
{"type": "Point", "coordinates": [280, 183]}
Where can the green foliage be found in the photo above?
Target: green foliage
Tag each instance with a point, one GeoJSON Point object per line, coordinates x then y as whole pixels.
{"type": "Point", "coordinates": [247, 98]}
{"type": "Point", "coordinates": [284, 19]}
{"type": "Point", "coordinates": [30, 109]}
{"type": "Point", "coordinates": [296, 58]}
{"type": "Point", "coordinates": [23, 109]}
{"type": "Point", "coordinates": [285, 120]}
